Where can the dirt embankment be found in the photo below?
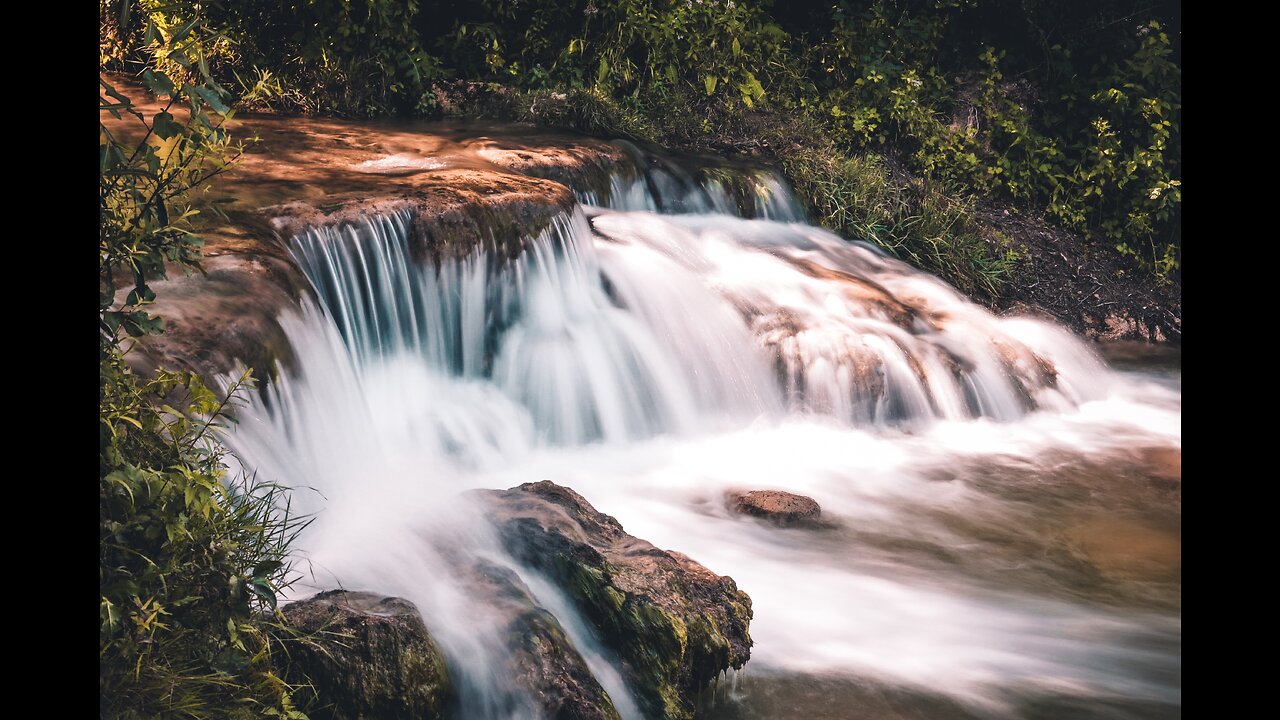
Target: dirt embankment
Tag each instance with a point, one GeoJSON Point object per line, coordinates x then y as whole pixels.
{"type": "Point", "coordinates": [1092, 289]}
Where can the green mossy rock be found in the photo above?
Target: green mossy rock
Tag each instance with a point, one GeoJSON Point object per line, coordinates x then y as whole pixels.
{"type": "Point", "coordinates": [369, 657]}
{"type": "Point", "coordinates": [674, 624]}
{"type": "Point", "coordinates": [541, 658]}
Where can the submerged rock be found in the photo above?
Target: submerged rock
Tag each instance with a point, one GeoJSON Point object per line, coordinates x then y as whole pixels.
{"type": "Point", "coordinates": [369, 657]}
{"type": "Point", "coordinates": [1164, 463]}
{"type": "Point", "coordinates": [779, 507]}
{"type": "Point", "coordinates": [674, 624]}
{"type": "Point", "coordinates": [1126, 548]}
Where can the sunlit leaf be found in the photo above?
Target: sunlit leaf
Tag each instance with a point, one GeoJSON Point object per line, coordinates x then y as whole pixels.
{"type": "Point", "coordinates": [157, 82]}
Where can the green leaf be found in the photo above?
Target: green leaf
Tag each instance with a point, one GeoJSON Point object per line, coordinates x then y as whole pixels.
{"type": "Point", "coordinates": [211, 96]}
{"type": "Point", "coordinates": [121, 478]}
{"type": "Point", "coordinates": [265, 568]}
{"type": "Point", "coordinates": [204, 69]}
{"type": "Point", "coordinates": [111, 91]}
{"type": "Point", "coordinates": [139, 323]}
{"type": "Point", "coordinates": [172, 411]}
{"type": "Point", "coordinates": [157, 82]}
{"type": "Point", "coordinates": [263, 590]}
{"type": "Point", "coordinates": [112, 156]}
{"type": "Point", "coordinates": [230, 661]}
{"type": "Point", "coordinates": [191, 495]}
{"type": "Point", "coordinates": [165, 127]}
{"type": "Point", "coordinates": [183, 32]}
{"type": "Point", "coordinates": [709, 82]}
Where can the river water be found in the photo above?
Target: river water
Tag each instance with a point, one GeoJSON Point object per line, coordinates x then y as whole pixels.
{"type": "Point", "coordinates": [1003, 507]}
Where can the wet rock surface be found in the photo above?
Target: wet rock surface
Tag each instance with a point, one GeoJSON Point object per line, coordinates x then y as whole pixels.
{"type": "Point", "coordinates": [779, 507]}
{"type": "Point", "coordinates": [470, 185]}
{"type": "Point", "coordinates": [674, 624]}
{"type": "Point", "coordinates": [224, 318]}
{"type": "Point", "coordinates": [369, 657]}
{"type": "Point", "coordinates": [541, 659]}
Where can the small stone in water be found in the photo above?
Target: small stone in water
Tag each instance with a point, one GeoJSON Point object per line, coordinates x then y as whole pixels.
{"type": "Point", "coordinates": [779, 507]}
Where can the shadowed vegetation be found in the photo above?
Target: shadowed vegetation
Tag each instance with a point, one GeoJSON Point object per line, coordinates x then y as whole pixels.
{"type": "Point", "coordinates": [190, 560]}
{"type": "Point", "coordinates": [891, 117]}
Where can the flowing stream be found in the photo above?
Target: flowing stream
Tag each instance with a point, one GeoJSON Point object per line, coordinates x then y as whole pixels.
{"type": "Point", "coordinates": [1003, 543]}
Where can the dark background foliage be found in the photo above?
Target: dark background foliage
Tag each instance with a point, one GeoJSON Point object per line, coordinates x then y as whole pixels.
{"type": "Point", "coordinates": [1069, 110]}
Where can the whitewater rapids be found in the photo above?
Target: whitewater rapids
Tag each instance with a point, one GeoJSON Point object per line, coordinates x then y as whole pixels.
{"type": "Point", "coordinates": [654, 355]}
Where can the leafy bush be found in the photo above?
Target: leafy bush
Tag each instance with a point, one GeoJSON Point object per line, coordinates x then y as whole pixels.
{"type": "Point", "coordinates": [626, 46]}
{"type": "Point", "coordinates": [190, 563]}
{"type": "Point", "coordinates": [345, 57]}
{"type": "Point", "coordinates": [1093, 142]}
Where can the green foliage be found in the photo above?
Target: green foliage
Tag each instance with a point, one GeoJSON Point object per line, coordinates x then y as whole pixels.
{"type": "Point", "coordinates": [144, 210]}
{"type": "Point", "coordinates": [144, 218]}
{"type": "Point", "coordinates": [1094, 143]}
{"type": "Point", "coordinates": [346, 57]}
{"type": "Point", "coordinates": [626, 46]}
{"type": "Point", "coordinates": [1126, 181]}
{"type": "Point", "coordinates": [190, 566]}
{"type": "Point", "coordinates": [1070, 108]}
{"type": "Point", "coordinates": [190, 563]}
{"type": "Point", "coordinates": [861, 197]}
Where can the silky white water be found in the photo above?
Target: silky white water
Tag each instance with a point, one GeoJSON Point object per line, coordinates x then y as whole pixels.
{"type": "Point", "coordinates": [654, 361]}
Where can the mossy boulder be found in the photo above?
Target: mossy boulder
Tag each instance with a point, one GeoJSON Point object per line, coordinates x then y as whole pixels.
{"type": "Point", "coordinates": [674, 624]}
{"type": "Point", "coordinates": [368, 657]}
{"type": "Point", "coordinates": [541, 658]}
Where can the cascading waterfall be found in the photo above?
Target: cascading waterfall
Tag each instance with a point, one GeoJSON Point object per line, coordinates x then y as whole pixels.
{"type": "Point", "coordinates": [542, 328]}
{"type": "Point", "coordinates": [671, 318]}
{"type": "Point", "coordinates": [653, 361]}
{"type": "Point", "coordinates": [656, 184]}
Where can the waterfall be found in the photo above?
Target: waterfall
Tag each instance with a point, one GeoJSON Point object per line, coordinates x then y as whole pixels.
{"type": "Point", "coordinates": [638, 324]}
{"type": "Point", "coordinates": [655, 183]}
{"type": "Point", "coordinates": [683, 334]}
